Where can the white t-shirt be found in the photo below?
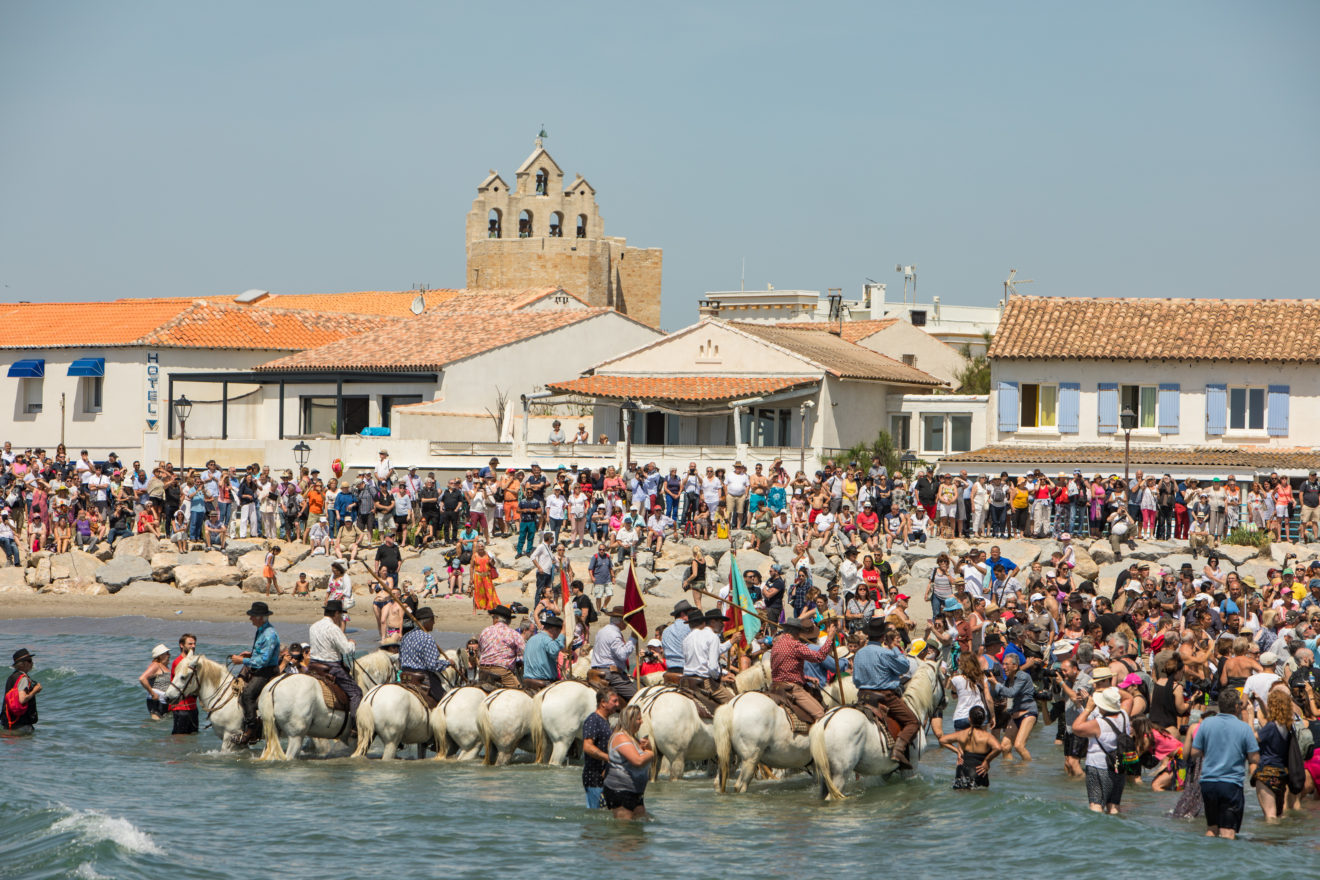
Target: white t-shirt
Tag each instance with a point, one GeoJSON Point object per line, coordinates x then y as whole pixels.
{"type": "Point", "coordinates": [710, 491]}
{"type": "Point", "coordinates": [973, 577]}
{"type": "Point", "coordinates": [848, 576]}
{"type": "Point", "coordinates": [824, 521]}
{"type": "Point", "coordinates": [1095, 754]}
{"type": "Point", "coordinates": [968, 695]}
{"type": "Point", "coordinates": [555, 505]}
{"type": "Point", "coordinates": [1258, 685]}
{"type": "Point", "coordinates": [736, 484]}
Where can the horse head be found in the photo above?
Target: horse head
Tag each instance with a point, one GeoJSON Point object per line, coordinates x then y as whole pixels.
{"type": "Point", "coordinates": [184, 681]}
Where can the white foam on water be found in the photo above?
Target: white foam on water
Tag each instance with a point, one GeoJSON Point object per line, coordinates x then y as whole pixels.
{"type": "Point", "coordinates": [94, 827]}
{"type": "Point", "coordinates": [87, 872]}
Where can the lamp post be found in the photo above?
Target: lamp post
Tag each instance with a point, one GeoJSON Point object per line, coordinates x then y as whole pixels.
{"type": "Point", "coordinates": [182, 409]}
{"type": "Point", "coordinates": [628, 409]}
{"type": "Point", "coordinates": [1128, 419]}
{"type": "Point", "coordinates": [908, 461]}
{"type": "Point", "coordinates": [300, 453]}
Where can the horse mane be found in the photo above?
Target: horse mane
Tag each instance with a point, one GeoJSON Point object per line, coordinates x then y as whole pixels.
{"type": "Point", "coordinates": [210, 672]}
{"type": "Point", "coordinates": [920, 693]}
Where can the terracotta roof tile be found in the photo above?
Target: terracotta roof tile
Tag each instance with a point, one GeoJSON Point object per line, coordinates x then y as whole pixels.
{"type": "Point", "coordinates": [211, 325]}
{"type": "Point", "coordinates": [1266, 330]}
{"type": "Point", "coordinates": [63, 325]}
{"type": "Point", "coordinates": [395, 303]}
{"type": "Point", "coordinates": [432, 340]}
{"type": "Point", "coordinates": [852, 331]}
{"type": "Point", "coordinates": [1110, 458]}
{"type": "Point", "coordinates": [839, 357]}
{"type": "Point", "coordinates": [679, 387]}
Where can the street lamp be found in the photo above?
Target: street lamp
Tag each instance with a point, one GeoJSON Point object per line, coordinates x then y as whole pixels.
{"type": "Point", "coordinates": [908, 461]}
{"type": "Point", "coordinates": [627, 409]}
{"type": "Point", "coordinates": [1128, 419]}
{"type": "Point", "coordinates": [300, 453]}
{"type": "Point", "coordinates": [182, 409]}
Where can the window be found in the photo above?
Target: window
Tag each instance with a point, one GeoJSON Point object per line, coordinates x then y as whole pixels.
{"type": "Point", "coordinates": [910, 360]}
{"type": "Point", "coordinates": [900, 431]}
{"type": "Point", "coordinates": [1040, 406]}
{"type": "Point", "coordinates": [495, 223]}
{"type": "Point", "coordinates": [556, 225]}
{"type": "Point", "coordinates": [390, 401]}
{"type": "Point", "coordinates": [318, 415]}
{"type": "Point", "coordinates": [525, 224]}
{"type": "Point", "coordinates": [932, 433]}
{"type": "Point", "coordinates": [1142, 400]}
{"type": "Point", "coordinates": [767, 427]}
{"type": "Point", "coordinates": [960, 433]}
{"type": "Point", "coordinates": [91, 393]}
{"type": "Point", "coordinates": [582, 226]}
{"type": "Point", "coordinates": [1246, 409]}
{"type": "Point", "coordinates": [32, 389]}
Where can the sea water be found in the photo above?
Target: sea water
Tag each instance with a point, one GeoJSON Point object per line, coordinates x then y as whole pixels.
{"type": "Point", "coordinates": [102, 791]}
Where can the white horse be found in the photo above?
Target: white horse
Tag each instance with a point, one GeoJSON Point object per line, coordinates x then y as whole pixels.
{"type": "Point", "coordinates": [677, 731]}
{"type": "Point", "coordinates": [212, 685]}
{"type": "Point", "coordinates": [454, 723]}
{"type": "Point", "coordinates": [755, 729]}
{"type": "Point", "coordinates": [846, 741]}
{"type": "Point", "coordinates": [504, 719]}
{"type": "Point", "coordinates": [292, 705]}
{"type": "Point", "coordinates": [396, 716]}
{"type": "Point", "coordinates": [558, 712]}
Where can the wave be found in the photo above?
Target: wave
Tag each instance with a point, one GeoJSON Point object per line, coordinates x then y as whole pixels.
{"type": "Point", "coordinates": [93, 827]}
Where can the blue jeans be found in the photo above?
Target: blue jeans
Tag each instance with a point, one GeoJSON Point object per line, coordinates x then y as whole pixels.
{"type": "Point", "coordinates": [671, 507]}
{"type": "Point", "coordinates": [526, 537]}
{"type": "Point", "coordinates": [593, 796]}
{"type": "Point", "coordinates": [11, 550]}
{"type": "Point", "coordinates": [196, 519]}
{"type": "Point", "coordinates": [226, 509]}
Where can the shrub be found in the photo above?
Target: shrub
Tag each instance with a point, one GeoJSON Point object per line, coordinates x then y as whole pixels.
{"type": "Point", "coordinates": [1248, 538]}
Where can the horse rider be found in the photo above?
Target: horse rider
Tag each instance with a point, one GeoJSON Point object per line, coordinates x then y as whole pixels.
{"type": "Point", "coordinates": [611, 655]}
{"type": "Point", "coordinates": [701, 658]}
{"type": "Point", "coordinates": [541, 656]}
{"type": "Point", "coordinates": [501, 645]}
{"type": "Point", "coordinates": [260, 665]}
{"type": "Point", "coordinates": [671, 640]}
{"type": "Point", "coordinates": [419, 655]}
{"type": "Point", "coordinates": [334, 651]}
{"type": "Point", "coordinates": [788, 653]}
{"type": "Point", "coordinates": [20, 696]}
{"type": "Point", "coordinates": [878, 671]}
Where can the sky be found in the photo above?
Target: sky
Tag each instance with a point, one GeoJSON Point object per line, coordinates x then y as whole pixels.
{"type": "Point", "coordinates": [1116, 149]}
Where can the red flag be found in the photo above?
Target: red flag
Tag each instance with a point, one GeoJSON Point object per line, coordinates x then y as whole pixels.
{"type": "Point", "coordinates": [566, 600]}
{"type": "Point", "coordinates": [633, 607]}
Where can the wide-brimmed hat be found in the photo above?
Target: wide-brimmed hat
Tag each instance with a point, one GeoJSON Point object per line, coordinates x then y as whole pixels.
{"type": "Point", "coordinates": [424, 613]}
{"type": "Point", "coordinates": [158, 650]}
{"type": "Point", "coordinates": [501, 611]}
{"type": "Point", "coordinates": [259, 609]}
{"type": "Point", "coordinates": [553, 621]}
{"type": "Point", "coordinates": [24, 654]}
{"type": "Point", "coordinates": [616, 611]}
{"type": "Point", "coordinates": [877, 627]}
{"type": "Point", "coordinates": [794, 624]}
{"type": "Point", "coordinates": [1063, 648]}
{"type": "Point", "coordinates": [952, 604]}
{"type": "Point", "coordinates": [1108, 701]}
{"type": "Point", "coordinates": [334, 606]}
{"type": "Point", "coordinates": [715, 614]}
{"type": "Point", "coordinates": [683, 606]}
{"type": "Point", "coordinates": [1101, 672]}
{"type": "Point", "coordinates": [390, 642]}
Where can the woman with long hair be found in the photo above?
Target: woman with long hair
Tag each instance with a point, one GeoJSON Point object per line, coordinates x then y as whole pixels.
{"type": "Point", "coordinates": [976, 748]}
{"type": "Point", "coordinates": [1271, 777]}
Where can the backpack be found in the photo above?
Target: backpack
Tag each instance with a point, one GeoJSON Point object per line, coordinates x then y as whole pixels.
{"type": "Point", "coordinates": [997, 495]}
{"type": "Point", "coordinates": [1305, 739]}
{"type": "Point", "coordinates": [1296, 763]}
{"type": "Point", "coordinates": [1124, 758]}
{"type": "Point", "coordinates": [13, 707]}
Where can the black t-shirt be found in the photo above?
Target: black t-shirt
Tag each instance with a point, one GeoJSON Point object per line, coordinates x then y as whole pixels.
{"type": "Point", "coordinates": [1310, 494]}
{"type": "Point", "coordinates": [926, 490]}
{"type": "Point", "coordinates": [584, 604]}
{"type": "Point", "coordinates": [451, 500]}
{"type": "Point", "coordinates": [430, 497]}
{"type": "Point", "coordinates": [389, 556]}
{"type": "Point", "coordinates": [536, 485]}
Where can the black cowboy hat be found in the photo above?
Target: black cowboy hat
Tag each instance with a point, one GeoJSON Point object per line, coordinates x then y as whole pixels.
{"type": "Point", "coordinates": [552, 621]}
{"type": "Point", "coordinates": [715, 614]}
{"type": "Point", "coordinates": [259, 609]}
{"type": "Point", "coordinates": [683, 606]}
{"type": "Point", "coordinates": [993, 639]}
{"type": "Point", "coordinates": [876, 627]}
{"type": "Point", "coordinates": [334, 606]}
{"type": "Point", "coordinates": [793, 623]}
{"type": "Point", "coordinates": [501, 611]}
{"type": "Point", "coordinates": [22, 654]}
{"type": "Point", "coordinates": [425, 613]}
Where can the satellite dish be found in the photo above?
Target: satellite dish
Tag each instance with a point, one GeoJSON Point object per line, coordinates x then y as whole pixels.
{"type": "Point", "coordinates": [418, 304]}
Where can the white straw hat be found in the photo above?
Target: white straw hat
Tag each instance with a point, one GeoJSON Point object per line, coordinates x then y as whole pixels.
{"type": "Point", "coordinates": [158, 650]}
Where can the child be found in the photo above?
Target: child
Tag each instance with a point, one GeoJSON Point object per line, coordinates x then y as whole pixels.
{"type": "Point", "coordinates": [302, 587]}
{"type": "Point", "coordinates": [268, 571]}
{"type": "Point", "coordinates": [430, 583]}
{"type": "Point", "coordinates": [455, 574]}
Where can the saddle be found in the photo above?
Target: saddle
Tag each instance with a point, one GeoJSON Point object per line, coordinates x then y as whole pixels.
{"type": "Point", "coordinates": [597, 679]}
{"type": "Point", "coordinates": [692, 687]}
{"type": "Point", "coordinates": [869, 705]}
{"type": "Point", "coordinates": [420, 685]}
{"type": "Point", "coordinates": [798, 719]}
{"type": "Point", "coordinates": [533, 685]}
{"type": "Point", "coordinates": [335, 698]}
{"type": "Point", "coordinates": [671, 678]}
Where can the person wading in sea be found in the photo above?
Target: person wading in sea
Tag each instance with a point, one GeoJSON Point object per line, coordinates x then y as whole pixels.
{"type": "Point", "coordinates": [260, 665]}
{"type": "Point", "coordinates": [20, 697]}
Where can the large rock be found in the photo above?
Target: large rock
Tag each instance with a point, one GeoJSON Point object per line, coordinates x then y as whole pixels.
{"type": "Point", "coordinates": [1023, 553]}
{"type": "Point", "coordinates": [291, 554]}
{"type": "Point", "coordinates": [146, 589]}
{"type": "Point", "coordinates": [162, 566]}
{"type": "Point", "coordinates": [318, 573]}
{"type": "Point", "coordinates": [241, 547]}
{"type": "Point", "coordinates": [715, 547]}
{"type": "Point", "coordinates": [84, 586]}
{"type": "Point", "coordinates": [918, 576]}
{"type": "Point", "coordinates": [1101, 552]}
{"type": "Point", "coordinates": [748, 560]}
{"type": "Point", "coordinates": [253, 583]}
{"type": "Point", "coordinates": [1238, 554]}
{"type": "Point", "coordinates": [1086, 568]}
{"type": "Point", "coordinates": [14, 580]}
{"type": "Point", "coordinates": [39, 574]}
{"type": "Point", "coordinates": [122, 571]}
{"type": "Point", "coordinates": [144, 546]}
{"type": "Point", "coordinates": [189, 577]}
{"type": "Point", "coordinates": [251, 563]}
{"type": "Point", "coordinates": [1149, 551]}
{"type": "Point", "coordinates": [931, 549]}
{"type": "Point", "coordinates": [74, 564]}
{"type": "Point", "coordinates": [104, 552]}
{"type": "Point", "coordinates": [34, 558]}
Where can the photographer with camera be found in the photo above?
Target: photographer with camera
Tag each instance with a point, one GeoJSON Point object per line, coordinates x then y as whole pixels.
{"type": "Point", "coordinates": [1076, 687]}
{"type": "Point", "coordinates": [120, 522]}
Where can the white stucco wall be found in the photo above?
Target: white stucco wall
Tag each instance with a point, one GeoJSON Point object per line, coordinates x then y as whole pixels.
{"type": "Point", "coordinates": [932, 356]}
{"type": "Point", "coordinates": [942, 405]}
{"type": "Point", "coordinates": [1304, 403]}
{"type": "Point", "coordinates": [710, 349]}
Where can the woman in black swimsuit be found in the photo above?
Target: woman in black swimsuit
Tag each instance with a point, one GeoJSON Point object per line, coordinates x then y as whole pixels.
{"type": "Point", "coordinates": [975, 747]}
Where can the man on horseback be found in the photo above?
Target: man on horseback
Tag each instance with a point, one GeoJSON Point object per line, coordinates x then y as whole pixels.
{"type": "Point", "coordinates": [260, 665]}
{"type": "Point", "coordinates": [501, 646]}
{"type": "Point", "coordinates": [701, 657]}
{"type": "Point", "coordinates": [611, 655]}
{"type": "Point", "coordinates": [788, 653]}
{"type": "Point", "coordinates": [878, 671]}
{"type": "Point", "coordinates": [541, 656]}
{"type": "Point", "coordinates": [418, 653]}
{"type": "Point", "coordinates": [674, 635]}
{"type": "Point", "coordinates": [334, 651]}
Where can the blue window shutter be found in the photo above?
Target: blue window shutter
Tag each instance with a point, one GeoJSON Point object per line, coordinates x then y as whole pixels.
{"type": "Point", "coordinates": [1108, 408]}
{"type": "Point", "coordinates": [1216, 410]}
{"type": "Point", "coordinates": [1168, 408]}
{"type": "Point", "coordinates": [1008, 406]}
{"type": "Point", "coordinates": [1276, 411]}
{"type": "Point", "coordinates": [1069, 396]}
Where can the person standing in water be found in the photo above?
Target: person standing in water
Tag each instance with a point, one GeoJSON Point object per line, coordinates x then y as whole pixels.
{"type": "Point", "coordinates": [20, 698]}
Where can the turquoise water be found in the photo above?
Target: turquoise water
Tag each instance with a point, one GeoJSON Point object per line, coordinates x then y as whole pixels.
{"type": "Point", "coordinates": [100, 791]}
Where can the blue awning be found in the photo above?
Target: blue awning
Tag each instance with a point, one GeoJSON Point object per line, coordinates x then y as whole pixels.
{"type": "Point", "coordinates": [87, 367]}
{"type": "Point", "coordinates": [28, 368]}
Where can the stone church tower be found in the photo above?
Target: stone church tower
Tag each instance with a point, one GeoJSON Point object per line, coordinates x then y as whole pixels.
{"type": "Point", "coordinates": [541, 234]}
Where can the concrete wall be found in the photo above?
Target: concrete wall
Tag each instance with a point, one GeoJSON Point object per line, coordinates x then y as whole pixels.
{"type": "Point", "coordinates": [1303, 382]}
{"type": "Point", "coordinates": [929, 354]}
{"type": "Point", "coordinates": [942, 406]}
{"type": "Point", "coordinates": [710, 350]}
{"type": "Point", "coordinates": [852, 412]}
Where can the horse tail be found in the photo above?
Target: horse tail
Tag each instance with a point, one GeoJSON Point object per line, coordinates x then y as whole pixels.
{"type": "Point", "coordinates": [266, 710]}
{"type": "Point", "coordinates": [484, 729]}
{"type": "Point", "coordinates": [821, 758]}
{"type": "Point", "coordinates": [366, 728]}
{"type": "Point", "coordinates": [538, 732]}
{"type": "Point", "coordinates": [723, 742]}
{"type": "Point", "coordinates": [439, 731]}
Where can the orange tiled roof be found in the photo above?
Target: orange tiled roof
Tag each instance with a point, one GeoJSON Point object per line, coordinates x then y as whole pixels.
{"type": "Point", "coordinates": [841, 358]}
{"type": "Point", "coordinates": [212, 325]}
{"type": "Point", "coordinates": [1111, 457]}
{"type": "Point", "coordinates": [852, 331]}
{"type": "Point", "coordinates": [1264, 330]}
{"type": "Point", "coordinates": [64, 325]}
{"type": "Point", "coordinates": [432, 340]}
{"type": "Point", "coordinates": [689, 388]}
{"type": "Point", "coordinates": [394, 303]}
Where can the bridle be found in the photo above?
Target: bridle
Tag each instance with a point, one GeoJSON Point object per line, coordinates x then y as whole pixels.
{"type": "Point", "coordinates": [223, 694]}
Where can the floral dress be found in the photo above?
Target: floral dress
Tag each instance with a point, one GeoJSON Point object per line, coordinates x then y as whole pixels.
{"type": "Point", "coordinates": [484, 597]}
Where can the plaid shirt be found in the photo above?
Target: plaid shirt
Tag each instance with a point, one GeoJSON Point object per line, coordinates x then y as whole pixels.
{"type": "Point", "coordinates": [501, 645]}
{"type": "Point", "coordinates": [787, 654]}
{"type": "Point", "coordinates": [418, 651]}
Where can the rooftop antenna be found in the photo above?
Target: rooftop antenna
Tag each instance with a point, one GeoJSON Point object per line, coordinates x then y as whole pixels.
{"type": "Point", "coordinates": [1012, 281]}
{"type": "Point", "coordinates": [419, 301]}
{"type": "Point", "coordinates": [909, 274]}
{"type": "Point", "coordinates": [835, 296]}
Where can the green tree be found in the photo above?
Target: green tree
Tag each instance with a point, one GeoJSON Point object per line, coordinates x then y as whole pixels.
{"type": "Point", "coordinates": [882, 445]}
{"type": "Point", "coordinates": [974, 377]}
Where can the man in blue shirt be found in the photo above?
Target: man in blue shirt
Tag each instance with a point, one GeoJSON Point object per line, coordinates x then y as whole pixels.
{"type": "Point", "coordinates": [878, 671]}
{"type": "Point", "coordinates": [418, 653]}
{"type": "Point", "coordinates": [995, 559]}
{"type": "Point", "coordinates": [1224, 743]}
{"type": "Point", "coordinates": [671, 640]}
{"type": "Point", "coordinates": [541, 654]}
{"type": "Point", "coordinates": [260, 665]}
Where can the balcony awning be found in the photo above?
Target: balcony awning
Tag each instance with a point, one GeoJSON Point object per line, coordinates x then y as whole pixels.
{"type": "Point", "coordinates": [87, 367]}
{"type": "Point", "coordinates": [28, 368]}
{"type": "Point", "coordinates": [686, 389]}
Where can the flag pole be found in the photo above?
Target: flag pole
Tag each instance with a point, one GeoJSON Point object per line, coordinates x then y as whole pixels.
{"type": "Point", "coordinates": [838, 670]}
{"type": "Point", "coordinates": [759, 617]}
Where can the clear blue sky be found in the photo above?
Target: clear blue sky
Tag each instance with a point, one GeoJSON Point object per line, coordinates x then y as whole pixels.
{"type": "Point", "coordinates": [1127, 148]}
